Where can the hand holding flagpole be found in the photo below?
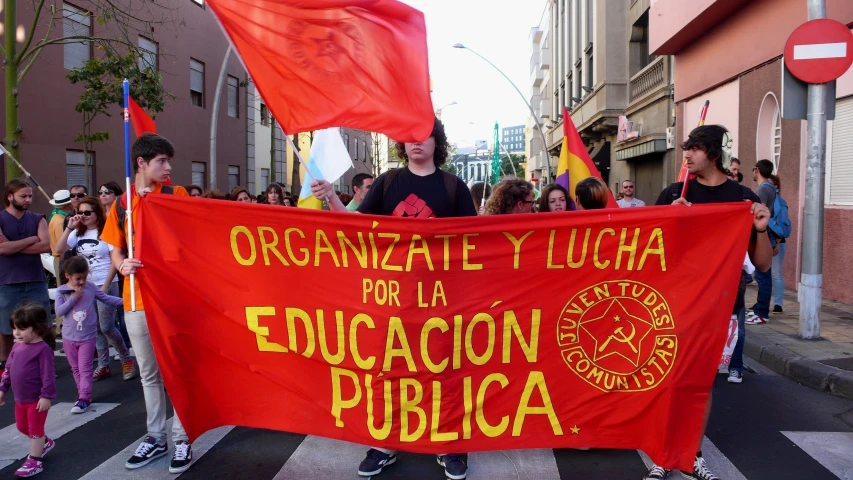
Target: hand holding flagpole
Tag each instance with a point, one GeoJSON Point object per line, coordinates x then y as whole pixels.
{"type": "Point", "coordinates": [127, 189]}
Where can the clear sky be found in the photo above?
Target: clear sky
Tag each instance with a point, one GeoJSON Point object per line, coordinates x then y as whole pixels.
{"type": "Point", "coordinates": [498, 30]}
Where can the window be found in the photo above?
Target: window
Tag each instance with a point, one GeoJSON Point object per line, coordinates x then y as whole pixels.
{"type": "Point", "coordinates": [76, 22]}
{"type": "Point", "coordinates": [590, 79]}
{"type": "Point", "coordinates": [589, 11]}
{"type": "Point", "coordinates": [76, 170]}
{"type": "Point", "coordinates": [580, 82]}
{"type": "Point", "coordinates": [199, 175]}
{"type": "Point", "coordinates": [265, 115]}
{"type": "Point", "coordinates": [233, 177]}
{"type": "Point", "coordinates": [840, 168]}
{"type": "Point", "coordinates": [364, 150]}
{"type": "Point", "coordinates": [147, 54]}
{"type": "Point", "coordinates": [578, 28]}
{"type": "Point", "coordinates": [197, 83]}
{"type": "Point", "coordinates": [233, 97]}
{"type": "Point", "coordinates": [346, 142]}
{"type": "Point", "coordinates": [265, 177]}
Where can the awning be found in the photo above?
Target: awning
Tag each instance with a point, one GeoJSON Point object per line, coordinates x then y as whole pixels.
{"type": "Point", "coordinates": [642, 146]}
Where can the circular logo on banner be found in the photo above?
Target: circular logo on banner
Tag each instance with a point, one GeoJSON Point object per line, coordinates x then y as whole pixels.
{"type": "Point", "coordinates": [329, 49]}
{"type": "Point", "coordinates": [618, 336]}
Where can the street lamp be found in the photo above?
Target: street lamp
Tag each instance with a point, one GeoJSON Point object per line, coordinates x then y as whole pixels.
{"type": "Point", "coordinates": [533, 113]}
{"type": "Point", "coordinates": [438, 112]}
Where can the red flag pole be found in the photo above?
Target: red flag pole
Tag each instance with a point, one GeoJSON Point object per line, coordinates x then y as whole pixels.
{"type": "Point", "coordinates": [685, 174]}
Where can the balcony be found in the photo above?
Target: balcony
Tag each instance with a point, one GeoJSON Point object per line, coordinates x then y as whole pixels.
{"type": "Point", "coordinates": [545, 59]}
{"type": "Point", "coordinates": [649, 80]}
{"type": "Point", "coordinates": [544, 109]}
{"type": "Point", "coordinates": [537, 76]}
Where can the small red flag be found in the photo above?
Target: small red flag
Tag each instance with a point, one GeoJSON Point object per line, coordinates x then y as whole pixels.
{"type": "Point", "coordinates": [141, 121]}
{"type": "Point", "coordinates": [336, 63]}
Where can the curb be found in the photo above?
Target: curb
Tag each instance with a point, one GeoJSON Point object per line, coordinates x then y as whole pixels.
{"type": "Point", "coordinates": [800, 369]}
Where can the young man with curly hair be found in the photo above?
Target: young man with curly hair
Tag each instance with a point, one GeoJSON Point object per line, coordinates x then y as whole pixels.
{"type": "Point", "coordinates": [420, 190]}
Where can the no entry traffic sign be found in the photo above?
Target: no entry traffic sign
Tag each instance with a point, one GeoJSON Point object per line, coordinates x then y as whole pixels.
{"type": "Point", "coordinates": [819, 51]}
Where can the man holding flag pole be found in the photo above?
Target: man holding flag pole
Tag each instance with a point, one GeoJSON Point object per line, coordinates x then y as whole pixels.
{"type": "Point", "coordinates": [151, 162]}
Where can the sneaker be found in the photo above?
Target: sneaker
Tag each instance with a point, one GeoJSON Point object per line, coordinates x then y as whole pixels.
{"type": "Point", "coordinates": [101, 373]}
{"type": "Point", "coordinates": [374, 462]}
{"type": "Point", "coordinates": [182, 459]}
{"type": "Point", "coordinates": [29, 468]}
{"type": "Point", "coordinates": [777, 309]}
{"type": "Point", "coordinates": [128, 370]}
{"type": "Point", "coordinates": [80, 407]}
{"type": "Point", "coordinates": [657, 473]}
{"type": "Point", "coordinates": [700, 471]}
{"type": "Point", "coordinates": [454, 465]}
{"type": "Point", "coordinates": [48, 445]}
{"type": "Point", "coordinates": [146, 452]}
{"type": "Point", "coordinates": [735, 376]}
{"type": "Point", "coordinates": [755, 320]}
{"type": "Point", "coordinates": [750, 313]}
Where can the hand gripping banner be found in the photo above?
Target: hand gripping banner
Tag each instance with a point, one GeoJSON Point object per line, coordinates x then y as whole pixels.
{"type": "Point", "coordinates": [580, 329]}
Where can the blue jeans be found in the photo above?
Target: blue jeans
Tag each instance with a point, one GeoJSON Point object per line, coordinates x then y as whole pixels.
{"type": "Point", "coordinates": [737, 355]}
{"type": "Point", "coordinates": [778, 278]}
{"type": "Point", "coordinates": [108, 332]}
{"type": "Point", "coordinates": [15, 294]}
{"type": "Point", "coordinates": [765, 289]}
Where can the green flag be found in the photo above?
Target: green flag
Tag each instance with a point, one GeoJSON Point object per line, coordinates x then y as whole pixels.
{"type": "Point", "coordinates": [496, 158]}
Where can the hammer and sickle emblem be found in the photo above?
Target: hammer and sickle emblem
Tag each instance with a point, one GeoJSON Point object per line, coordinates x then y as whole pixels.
{"type": "Point", "coordinates": [620, 336]}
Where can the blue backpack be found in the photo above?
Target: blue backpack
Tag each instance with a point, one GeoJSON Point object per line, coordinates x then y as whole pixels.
{"type": "Point", "coordinates": [780, 224]}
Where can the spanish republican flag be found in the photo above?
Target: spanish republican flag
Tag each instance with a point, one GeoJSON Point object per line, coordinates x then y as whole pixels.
{"type": "Point", "coordinates": [575, 164]}
{"type": "Point", "coordinates": [336, 63]}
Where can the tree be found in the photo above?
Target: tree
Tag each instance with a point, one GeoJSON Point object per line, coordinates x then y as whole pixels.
{"type": "Point", "coordinates": [512, 165]}
{"type": "Point", "coordinates": [120, 24]}
{"type": "Point", "coordinates": [102, 89]}
{"type": "Point", "coordinates": [450, 167]}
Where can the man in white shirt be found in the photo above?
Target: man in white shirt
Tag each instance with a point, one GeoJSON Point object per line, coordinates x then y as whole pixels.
{"type": "Point", "coordinates": [628, 199]}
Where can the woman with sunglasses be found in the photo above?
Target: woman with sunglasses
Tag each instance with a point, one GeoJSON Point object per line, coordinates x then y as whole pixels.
{"type": "Point", "coordinates": [83, 236]}
{"type": "Point", "coordinates": [108, 194]}
{"type": "Point", "coordinates": [512, 195]}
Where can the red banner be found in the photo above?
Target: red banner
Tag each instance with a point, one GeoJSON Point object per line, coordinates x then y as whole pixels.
{"type": "Point", "coordinates": [582, 329]}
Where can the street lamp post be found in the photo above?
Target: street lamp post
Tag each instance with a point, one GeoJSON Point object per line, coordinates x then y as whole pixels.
{"type": "Point", "coordinates": [438, 112]}
{"type": "Point", "coordinates": [532, 112]}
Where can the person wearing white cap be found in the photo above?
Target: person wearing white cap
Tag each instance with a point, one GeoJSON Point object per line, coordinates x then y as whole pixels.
{"type": "Point", "coordinates": [61, 207]}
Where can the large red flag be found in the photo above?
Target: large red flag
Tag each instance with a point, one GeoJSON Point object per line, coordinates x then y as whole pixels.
{"type": "Point", "coordinates": [141, 121]}
{"type": "Point", "coordinates": [414, 346]}
{"type": "Point", "coordinates": [336, 63]}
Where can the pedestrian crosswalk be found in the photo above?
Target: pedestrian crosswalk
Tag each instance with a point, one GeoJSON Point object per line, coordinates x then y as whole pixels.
{"type": "Point", "coordinates": [317, 458]}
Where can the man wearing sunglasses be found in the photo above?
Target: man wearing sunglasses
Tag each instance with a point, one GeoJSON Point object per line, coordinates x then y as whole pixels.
{"type": "Point", "coordinates": [77, 194]}
{"type": "Point", "coordinates": [628, 199]}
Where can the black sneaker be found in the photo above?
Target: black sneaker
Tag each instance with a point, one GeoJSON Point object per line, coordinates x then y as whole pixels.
{"type": "Point", "coordinates": [657, 473]}
{"type": "Point", "coordinates": [777, 309]}
{"type": "Point", "coordinates": [454, 465]}
{"type": "Point", "coordinates": [700, 471]}
{"type": "Point", "coordinates": [374, 462]}
{"type": "Point", "coordinates": [146, 452]}
{"type": "Point", "coordinates": [182, 459]}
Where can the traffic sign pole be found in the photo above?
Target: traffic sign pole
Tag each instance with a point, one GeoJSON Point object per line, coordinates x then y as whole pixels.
{"type": "Point", "coordinates": [811, 277]}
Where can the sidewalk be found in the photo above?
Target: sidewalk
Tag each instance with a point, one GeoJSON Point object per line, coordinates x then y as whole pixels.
{"type": "Point", "coordinates": [825, 364]}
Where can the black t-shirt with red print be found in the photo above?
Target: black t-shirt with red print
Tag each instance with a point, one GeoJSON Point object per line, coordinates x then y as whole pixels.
{"type": "Point", "coordinates": [411, 195]}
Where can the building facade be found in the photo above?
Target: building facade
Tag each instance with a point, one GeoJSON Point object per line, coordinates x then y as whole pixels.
{"type": "Point", "coordinates": [189, 63]}
{"type": "Point", "coordinates": [512, 139]}
{"type": "Point", "coordinates": [745, 91]}
{"type": "Point", "coordinates": [536, 166]}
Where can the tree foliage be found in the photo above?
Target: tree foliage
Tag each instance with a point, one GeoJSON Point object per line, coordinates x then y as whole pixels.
{"type": "Point", "coordinates": [103, 91]}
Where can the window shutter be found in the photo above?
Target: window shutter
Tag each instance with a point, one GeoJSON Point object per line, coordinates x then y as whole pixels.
{"type": "Point", "coordinates": [196, 76]}
{"type": "Point", "coordinates": [75, 169]}
{"type": "Point", "coordinates": [199, 174]}
{"type": "Point", "coordinates": [233, 90]}
{"type": "Point", "coordinates": [233, 177]}
{"type": "Point", "coordinates": [75, 22]}
{"type": "Point", "coordinates": [148, 54]}
{"type": "Point", "coordinates": [841, 176]}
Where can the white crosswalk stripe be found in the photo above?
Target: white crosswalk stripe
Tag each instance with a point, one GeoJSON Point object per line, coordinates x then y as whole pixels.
{"type": "Point", "coordinates": [114, 469]}
{"type": "Point", "coordinates": [14, 445]}
{"type": "Point", "coordinates": [833, 450]}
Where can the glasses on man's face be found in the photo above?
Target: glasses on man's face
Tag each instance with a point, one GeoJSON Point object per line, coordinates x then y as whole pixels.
{"type": "Point", "coordinates": [85, 213]}
{"type": "Point", "coordinates": [626, 187]}
{"type": "Point", "coordinates": [77, 195]}
{"type": "Point", "coordinates": [105, 192]}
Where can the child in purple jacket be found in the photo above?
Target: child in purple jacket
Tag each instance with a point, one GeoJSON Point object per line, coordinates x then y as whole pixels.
{"type": "Point", "coordinates": [30, 373]}
{"type": "Point", "coordinates": [76, 302]}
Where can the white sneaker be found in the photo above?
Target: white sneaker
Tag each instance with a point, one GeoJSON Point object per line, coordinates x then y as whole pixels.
{"type": "Point", "coordinates": [735, 376]}
{"type": "Point", "coordinates": [755, 320]}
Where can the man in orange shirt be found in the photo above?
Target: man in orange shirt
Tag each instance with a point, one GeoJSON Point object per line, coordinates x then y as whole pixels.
{"type": "Point", "coordinates": [151, 156]}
